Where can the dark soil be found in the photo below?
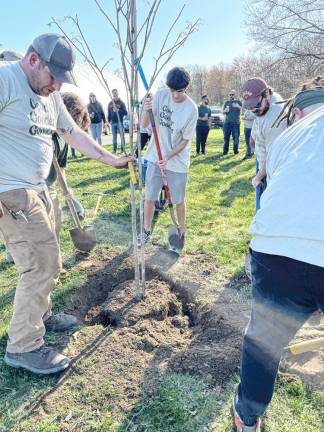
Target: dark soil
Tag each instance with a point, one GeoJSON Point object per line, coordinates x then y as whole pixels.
{"type": "Point", "coordinates": [168, 323]}
{"type": "Point", "coordinates": [186, 323]}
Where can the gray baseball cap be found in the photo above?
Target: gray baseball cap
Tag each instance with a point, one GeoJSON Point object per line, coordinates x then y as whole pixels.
{"type": "Point", "coordinates": [58, 54]}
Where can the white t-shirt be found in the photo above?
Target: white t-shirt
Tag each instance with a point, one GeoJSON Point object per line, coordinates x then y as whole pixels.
{"type": "Point", "coordinates": [263, 133]}
{"type": "Point", "coordinates": [290, 221]}
{"type": "Point", "coordinates": [248, 118]}
{"type": "Point", "coordinates": [175, 122]}
{"type": "Point", "coordinates": [27, 122]}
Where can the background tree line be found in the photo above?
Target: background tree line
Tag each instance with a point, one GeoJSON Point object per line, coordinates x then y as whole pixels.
{"type": "Point", "coordinates": [288, 43]}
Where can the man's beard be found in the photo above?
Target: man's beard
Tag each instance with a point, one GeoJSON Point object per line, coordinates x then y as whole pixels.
{"type": "Point", "coordinates": [259, 112]}
{"type": "Point", "coordinates": [33, 82]}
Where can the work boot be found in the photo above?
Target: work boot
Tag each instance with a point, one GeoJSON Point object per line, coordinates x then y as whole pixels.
{"type": "Point", "coordinates": [60, 322]}
{"type": "Point", "coordinates": [43, 361]}
{"type": "Point", "coordinates": [241, 427]}
{"type": "Point", "coordinates": [9, 258]}
{"type": "Point", "coordinates": [146, 237]}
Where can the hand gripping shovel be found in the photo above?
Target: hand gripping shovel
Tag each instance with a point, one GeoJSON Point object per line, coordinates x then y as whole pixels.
{"type": "Point", "coordinates": [84, 239]}
{"type": "Point", "coordinates": [176, 236]}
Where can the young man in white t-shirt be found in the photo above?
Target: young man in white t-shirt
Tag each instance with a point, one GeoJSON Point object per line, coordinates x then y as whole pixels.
{"type": "Point", "coordinates": [176, 117]}
{"type": "Point", "coordinates": [287, 253]}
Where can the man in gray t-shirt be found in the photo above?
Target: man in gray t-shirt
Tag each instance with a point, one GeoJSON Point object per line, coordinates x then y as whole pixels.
{"type": "Point", "coordinates": [31, 110]}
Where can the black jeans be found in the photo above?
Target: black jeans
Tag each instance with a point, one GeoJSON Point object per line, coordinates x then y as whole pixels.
{"type": "Point", "coordinates": [234, 130]}
{"type": "Point", "coordinates": [201, 138]}
{"type": "Point", "coordinates": [285, 293]}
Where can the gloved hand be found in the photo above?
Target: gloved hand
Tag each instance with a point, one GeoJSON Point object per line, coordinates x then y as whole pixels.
{"type": "Point", "coordinates": [79, 208]}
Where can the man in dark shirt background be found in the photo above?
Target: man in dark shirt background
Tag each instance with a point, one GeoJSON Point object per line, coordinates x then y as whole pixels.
{"type": "Point", "coordinates": [97, 116]}
{"type": "Point", "coordinates": [203, 126]}
{"type": "Point", "coordinates": [116, 108]}
{"type": "Point", "coordinates": [232, 111]}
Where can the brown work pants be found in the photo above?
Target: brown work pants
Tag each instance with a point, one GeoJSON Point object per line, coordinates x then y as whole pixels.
{"type": "Point", "coordinates": [35, 250]}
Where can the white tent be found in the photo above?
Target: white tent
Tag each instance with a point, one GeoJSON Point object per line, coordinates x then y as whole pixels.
{"type": "Point", "coordinates": [88, 82]}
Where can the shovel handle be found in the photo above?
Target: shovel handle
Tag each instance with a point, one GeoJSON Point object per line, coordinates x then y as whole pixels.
{"type": "Point", "coordinates": [302, 347]}
{"type": "Point", "coordinates": [65, 191]}
{"type": "Point", "coordinates": [159, 153]}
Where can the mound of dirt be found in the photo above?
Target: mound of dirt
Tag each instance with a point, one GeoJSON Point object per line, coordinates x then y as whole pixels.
{"type": "Point", "coordinates": [186, 323]}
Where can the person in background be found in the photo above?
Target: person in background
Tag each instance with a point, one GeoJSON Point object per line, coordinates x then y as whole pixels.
{"type": "Point", "coordinates": [203, 125]}
{"type": "Point", "coordinates": [248, 117]}
{"type": "Point", "coordinates": [232, 111]}
{"type": "Point", "coordinates": [287, 250]}
{"type": "Point", "coordinates": [116, 112]}
{"type": "Point", "coordinates": [97, 118]}
{"type": "Point", "coordinates": [80, 115]}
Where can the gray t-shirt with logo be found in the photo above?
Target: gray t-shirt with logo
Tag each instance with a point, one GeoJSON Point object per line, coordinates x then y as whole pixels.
{"type": "Point", "coordinates": [175, 122]}
{"type": "Point", "coordinates": [27, 123]}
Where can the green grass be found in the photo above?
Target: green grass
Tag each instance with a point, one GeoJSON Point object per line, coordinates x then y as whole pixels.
{"type": "Point", "coordinates": [220, 204]}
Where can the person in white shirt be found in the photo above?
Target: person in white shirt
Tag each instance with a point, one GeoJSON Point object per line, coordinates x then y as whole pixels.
{"type": "Point", "coordinates": [248, 117]}
{"type": "Point", "coordinates": [287, 252]}
{"type": "Point", "coordinates": [176, 117]}
{"type": "Point", "coordinates": [260, 98]}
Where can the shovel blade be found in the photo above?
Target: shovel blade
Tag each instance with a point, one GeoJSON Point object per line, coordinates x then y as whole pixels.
{"type": "Point", "coordinates": [176, 239]}
{"type": "Point", "coordinates": [83, 239]}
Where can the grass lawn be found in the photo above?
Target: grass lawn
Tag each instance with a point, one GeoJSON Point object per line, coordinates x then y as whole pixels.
{"type": "Point", "coordinates": [220, 203]}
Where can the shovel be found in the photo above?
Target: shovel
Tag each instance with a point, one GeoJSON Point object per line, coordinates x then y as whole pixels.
{"type": "Point", "coordinates": [306, 346]}
{"type": "Point", "coordinates": [84, 239]}
{"type": "Point", "coordinates": [176, 235]}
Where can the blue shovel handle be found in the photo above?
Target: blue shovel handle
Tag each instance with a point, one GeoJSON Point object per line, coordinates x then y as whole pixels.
{"type": "Point", "coordinates": [141, 72]}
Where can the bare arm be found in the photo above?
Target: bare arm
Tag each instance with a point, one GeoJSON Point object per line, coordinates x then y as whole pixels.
{"type": "Point", "coordinates": [259, 177]}
{"type": "Point", "coordinates": [145, 119]}
{"type": "Point", "coordinates": [81, 141]}
{"type": "Point", "coordinates": [183, 144]}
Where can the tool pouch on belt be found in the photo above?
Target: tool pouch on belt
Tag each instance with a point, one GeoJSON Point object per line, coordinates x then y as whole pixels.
{"type": "Point", "coordinates": [1, 210]}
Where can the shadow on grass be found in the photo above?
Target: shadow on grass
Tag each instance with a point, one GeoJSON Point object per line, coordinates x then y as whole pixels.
{"type": "Point", "coordinates": [237, 189]}
{"type": "Point", "coordinates": [115, 175]}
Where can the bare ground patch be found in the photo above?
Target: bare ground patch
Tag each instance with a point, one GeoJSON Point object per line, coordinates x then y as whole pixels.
{"type": "Point", "coordinates": [190, 322]}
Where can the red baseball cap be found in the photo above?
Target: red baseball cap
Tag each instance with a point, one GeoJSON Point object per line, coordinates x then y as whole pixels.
{"type": "Point", "coordinates": [252, 90]}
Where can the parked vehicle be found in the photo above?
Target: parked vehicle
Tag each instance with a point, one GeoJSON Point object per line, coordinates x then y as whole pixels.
{"type": "Point", "coordinates": [126, 123]}
{"type": "Point", "coordinates": [217, 117]}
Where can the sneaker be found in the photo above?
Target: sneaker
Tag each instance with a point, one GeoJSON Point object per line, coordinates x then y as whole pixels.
{"type": "Point", "coordinates": [204, 156]}
{"type": "Point", "coordinates": [241, 427]}
{"type": "Point", "coordinates": [9, 258]}
{"type": "Point", "coordinates": [224, 156]}
{"type": "Point", "coordinates": [60, 322]}
{"type": "Point", "coordinates": [246, 157]}
{"type": "Point", "coordinates": [43, 361]}
{"type": "Point", "coordinates": [146, 237]}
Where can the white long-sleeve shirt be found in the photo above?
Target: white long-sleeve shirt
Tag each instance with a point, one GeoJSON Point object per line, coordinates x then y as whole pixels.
{"type": "Point", "coordinates": [290, 221]}
{"type": "Point", "coordinates": [262, 132]}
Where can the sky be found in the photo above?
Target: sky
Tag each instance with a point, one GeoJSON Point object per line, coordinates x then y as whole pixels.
{"type": "Point", "coordinates": [220, 37]}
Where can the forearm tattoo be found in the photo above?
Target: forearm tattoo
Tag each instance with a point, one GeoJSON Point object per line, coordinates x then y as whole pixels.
{"type": "Point", "coordinates": [64, 131]}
